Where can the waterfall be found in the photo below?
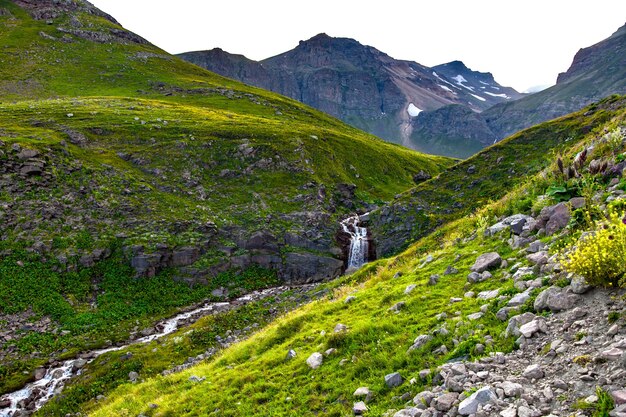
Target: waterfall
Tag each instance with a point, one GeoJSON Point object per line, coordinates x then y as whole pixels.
{"type": "Point", "coordinates": [357, 253]}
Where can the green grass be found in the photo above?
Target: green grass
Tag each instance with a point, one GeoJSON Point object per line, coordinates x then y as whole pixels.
{"type": "Point", "coordinates": [142, 148]}
{"type": "Point", "coordinates": [498, 169]}
{"type": "Point", "coordinates": [94, 305]}
{"type": "Point", "coordinates": [255, 378]}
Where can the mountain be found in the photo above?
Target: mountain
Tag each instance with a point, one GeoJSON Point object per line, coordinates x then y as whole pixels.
{"type": "Point", "coordinates": [596, 72]}
{"type": "Point", "coordinates": [133, 183]}
{"type": "Point", "coordinates": [359, 84]}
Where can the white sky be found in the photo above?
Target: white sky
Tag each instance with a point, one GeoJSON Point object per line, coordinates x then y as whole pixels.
{"type": "Point", "coordinates": [523, 43]}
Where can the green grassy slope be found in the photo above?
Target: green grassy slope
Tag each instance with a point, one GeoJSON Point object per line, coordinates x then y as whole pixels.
{"type": "Point", "coordinates": [110, 147]}
{"type": "Point", "coordinates": [462, 189]}
{"type": "Point", "coordinates": [256, 378]}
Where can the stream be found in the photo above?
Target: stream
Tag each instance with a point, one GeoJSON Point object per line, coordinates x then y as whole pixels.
{"type": "Point", "coordinates": [34, 395]}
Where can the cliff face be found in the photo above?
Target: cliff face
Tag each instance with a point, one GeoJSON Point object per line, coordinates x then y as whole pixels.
{"type": "Point", "coordinates": [596, 72]}
{"type": "Point", "coordinates": [360, 84]}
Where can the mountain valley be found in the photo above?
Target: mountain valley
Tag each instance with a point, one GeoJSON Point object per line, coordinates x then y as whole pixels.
{"type": "Point", "coordinates": [178, 243]}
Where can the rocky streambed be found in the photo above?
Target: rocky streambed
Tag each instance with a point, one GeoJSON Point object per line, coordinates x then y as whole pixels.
{"type": "Point", "coordinates": [51, 381]}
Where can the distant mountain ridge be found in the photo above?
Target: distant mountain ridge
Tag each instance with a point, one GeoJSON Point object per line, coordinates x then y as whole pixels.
{"type": "Point", "coordinates": [360, 84]}
{"type": "Point", "coordinates": [596, 72]}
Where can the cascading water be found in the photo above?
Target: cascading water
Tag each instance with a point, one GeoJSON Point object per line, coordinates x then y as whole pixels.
{"type": "Point", "coordinates": [357, 253]}
{"type": "Point", "coordinates": [54, 380]}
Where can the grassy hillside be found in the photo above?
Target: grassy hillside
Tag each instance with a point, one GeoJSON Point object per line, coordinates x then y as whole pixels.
{"type": "Point", "coordinates": [487, 176]}
{"type": "Point", "coordinates": [257, 378]}
{"type": "Point", "coordinates": [120, 162]}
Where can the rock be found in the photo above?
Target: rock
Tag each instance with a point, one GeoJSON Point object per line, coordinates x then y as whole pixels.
{"type": "Point", "coordinates": [450, 270]}
{"type": "Point", "coordinates": [185, 256]}
{"type": "Point", "coordinates": [421, 176]}
{"type": "Point", "coordinates": [5, 402]}
{"type": "Point", "coordinates": [359, 408]}
{"type": "Point", "coordinates": [445, 402]}
{"type": "Point", "coordinates": [512, 389]}
{"type": "Point", "coordinates": [491, 260]}
{"type": "Point", "coordinates": [291, 354]}
{"type": "Point", "coordinates": [40, 373]}
{"type": "Point", "coordinates": [410, 288]}
{"type": "Point", "coordinates": [339, 328]}
{"type": "Point", "coordinates": [539, 258]}
{"type": "Point", "coordinates": [612, 354]}
{"type": "Point", "coordinates": [509, 412]}
{"type": "Point", "coordinates": [420, 341]}
{"type": "Point", "coordinates": [515, 322]}
{"type": "Point", "coordinates": [475, 316]}
{"type": "Point", "coordinates": [519, 299]}
{"type": "Point", "coordinates": [133, 376]}
{"type": "Point", "coordinates": [315, 360]}
{"type": "Point", "coordinates": [517, 226]}
{"type": "Point", "coordinates": [433, 280]}
{"type": "Point", "coordinates": [579, 285]}
{"type": "Point", "coordinates": [536, 246]}
{"type": "Point", "coordinates": [470, 405]}
{"type": "Point", "coordinates": [577, 202]}
{"type": "Point", "coordinates": [393, 380]}
{"type": "Point", "coordinates": [619, 396]}
{"type": "Point", "coordinates": [78, 364]}
{"type": "Point", "coordinates": [537, 325]}
{"type": "Point", "coordinates": [474, 277]}
{"type": "Point", "coordinates": [330, 351]}
{"type": "Point", "coordinates": [555, 299]}
{"type": "Point", "coordinates": [553, 218]}
{"type": "Point", "coordinates": [362, 392]}
{"type": "Point", "coordinates": [533, 371]}
{"type": "Point", "coordinates": [196, 379]}
{"type": "Point", "coordinates": [349, 299]}
{"type": "Point", "coordinates": [488, 295]}
{"type": "Point", "coordinates": [397, 306]}
{"type": "Point", "coordinates": [423, 399]}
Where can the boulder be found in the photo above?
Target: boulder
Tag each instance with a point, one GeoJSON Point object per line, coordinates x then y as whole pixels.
{"type": "Point", "coordinates": [553, 218]}
{"type": "Point", "coordinates": [491, 260]}
{"type": "Point", "coordinates": [359, 408]}
{"type": "Point", "coordinates": [420, 341]}
{"type": "Point", "coordinates": [393, 380]}
{"type": "Point", "coordinates": [555, 299]}
{"type": "Point", "coordinates": [315, 360]}
{"type": "Point", "coordinates": [483, 396]}
{"type": "Point", "coordinates": [362, 392]}
{"type": "Point", "coordinates": [185, 256]}
{"type": "Point", "coordinates": [512, 389]}
{"type": "Point", "coordinates": [533, 371]}
{"type": "Point", "coordinates": [445, 402]}
{"type": "Point", "coordinates": [579, 285]}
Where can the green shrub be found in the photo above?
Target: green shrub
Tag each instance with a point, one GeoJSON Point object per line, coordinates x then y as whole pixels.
{"type": "Point", "coordinates": [600, 256]}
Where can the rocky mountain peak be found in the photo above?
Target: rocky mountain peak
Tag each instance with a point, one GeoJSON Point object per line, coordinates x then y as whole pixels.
{"type": "Point", "coordinates": [610, 52]}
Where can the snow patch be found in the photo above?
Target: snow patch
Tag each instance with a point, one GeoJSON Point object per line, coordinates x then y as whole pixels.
{"type": "Point", "coordinates": [479, 97]}
{"type": "Point", "coordinates": [459, 79]}
{"type": "Point", "coordinates": [445, 88]}
{"type": "Point", "coordinates": [413, 110]}
{"type": "Point", "coordinates": [497, 95]}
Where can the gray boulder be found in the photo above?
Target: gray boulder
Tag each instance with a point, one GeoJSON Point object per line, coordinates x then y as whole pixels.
{"type": "Point", "coordinates": [315, 360]}
{"type": "Point", "coordinates": [483, 396]}
{"type": "Point", "coordinates": [393, 380]}
{"type": "Point", "coordinates": [579, 285]}
{"type": "Point", "coordinates": [490, 260]}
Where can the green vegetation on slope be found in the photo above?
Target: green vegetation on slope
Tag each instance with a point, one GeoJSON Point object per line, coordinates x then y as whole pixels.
{"type": "Point", "coordinates": [111, 150]}
{"type": "Point", "coordinates": [257, 378]}
{"type": "Point", "coordinates": [488, 176]}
